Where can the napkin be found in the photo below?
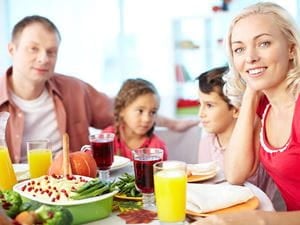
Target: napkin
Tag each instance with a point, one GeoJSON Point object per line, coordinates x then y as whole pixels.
{"type": "Point", "coordinates": [202, 198]}
{"type": "Point", "coordinates": [203, 168]}
{"type": "Point", "coordinates": [21, 171]}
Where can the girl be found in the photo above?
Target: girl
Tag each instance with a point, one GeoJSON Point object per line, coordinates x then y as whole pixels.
{"type": "Point", "coordinates": [135, 112]}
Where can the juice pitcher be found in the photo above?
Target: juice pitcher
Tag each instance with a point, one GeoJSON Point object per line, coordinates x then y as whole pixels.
{"type": "Point", "coordinates": [7, 176]}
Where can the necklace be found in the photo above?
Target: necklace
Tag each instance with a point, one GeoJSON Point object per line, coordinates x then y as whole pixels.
{"type": "Point", "coordinates": [218, 144]}
{"type": "Point", "coordinates": [261, 135]}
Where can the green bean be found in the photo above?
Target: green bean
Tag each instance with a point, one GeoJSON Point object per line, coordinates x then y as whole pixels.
{"type": "Point", "coordinates": [92, 193]}
{"type": "Point", "coordinates": [126, 185]}
{"type": "Point", "coordinates": [88, 185]}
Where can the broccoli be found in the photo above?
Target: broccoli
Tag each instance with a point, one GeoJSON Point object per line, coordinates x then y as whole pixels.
{"type": "Point", "coordinates": [30, 206]}
{"type": "Point", "coordinates": [54, 215]}
{"type": "Point", "coordinates": [11, 202]}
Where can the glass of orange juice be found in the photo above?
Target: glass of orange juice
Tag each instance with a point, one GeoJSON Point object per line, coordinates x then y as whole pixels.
{"type": "Point", "coordinates": [170, 181]}
{"type": "Point", "coordinates": [39, 156]}
{"type": "Point", "coordinates": [8, 177]}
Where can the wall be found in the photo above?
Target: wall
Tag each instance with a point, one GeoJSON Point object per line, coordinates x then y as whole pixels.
{"type": "Point", "coordinates": [104, 44]}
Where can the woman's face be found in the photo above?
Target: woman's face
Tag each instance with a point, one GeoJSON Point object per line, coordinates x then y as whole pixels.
{"type": "Point", "coordinates": [261, 52]}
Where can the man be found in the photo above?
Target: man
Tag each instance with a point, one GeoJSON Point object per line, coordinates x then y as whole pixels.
{"type": "Point", "coordinates": [44, 104]}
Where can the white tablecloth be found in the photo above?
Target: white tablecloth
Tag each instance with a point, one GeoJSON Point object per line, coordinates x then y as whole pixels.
{"type": "Point", "coordinates": [265, 202]}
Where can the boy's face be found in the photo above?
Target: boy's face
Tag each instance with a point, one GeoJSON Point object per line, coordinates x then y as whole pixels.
{"type": "Point", "coordinates": [214, 113]}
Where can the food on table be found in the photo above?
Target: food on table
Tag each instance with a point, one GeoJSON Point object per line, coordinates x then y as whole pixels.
{"type": "Point", "coordinates": [14, 211]}
{"type": "Point", "coordinates": [92, 188]}
{"type": "Point", "coordinates": [46, 215]}
{"type": "Point", "coordinates": [203, 169]}
{"type": "Point", "coordinates": [26, 217]}
{"type": "Point", "coordinates": [82, 163]}
{"type": "Point", "coordinates": [66, 166]}
{"type": "Point", "coordinates": [11, 202]}
{"type": "Point", "coordinates": [126, 185]}
{"type": "Point", "coordinates": [124, 206]}
{"type": "Point", "coordinates": [53, 188]}
{"type": "Point", "coordinates": [61, 189]}
{"type": "Point", "coordinates": [138, 216]}
{"type": "Point", "coordinates": [29, 205]}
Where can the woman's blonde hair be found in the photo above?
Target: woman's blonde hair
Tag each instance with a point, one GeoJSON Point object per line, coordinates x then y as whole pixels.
{"type": "Point", "coordinates": [235, 86]}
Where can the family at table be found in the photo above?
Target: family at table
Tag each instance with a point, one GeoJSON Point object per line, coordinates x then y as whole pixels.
{"type": "Point", "coordinates": [249, 108]}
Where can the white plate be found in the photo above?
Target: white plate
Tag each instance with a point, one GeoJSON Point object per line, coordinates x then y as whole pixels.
{"type": "Point", "coordinates": [21, 170]}
{"type": "Point", "coordinates": [119, 162]}
{"type": "Point", "coordinates": [203, 168]}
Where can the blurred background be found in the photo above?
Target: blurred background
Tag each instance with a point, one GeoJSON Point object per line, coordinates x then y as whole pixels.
{"type": "Point", "coordinates": [104, 42]}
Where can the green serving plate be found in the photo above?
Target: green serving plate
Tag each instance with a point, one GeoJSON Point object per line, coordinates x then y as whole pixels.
{"type": "Point", "coordinates": [83, 211]}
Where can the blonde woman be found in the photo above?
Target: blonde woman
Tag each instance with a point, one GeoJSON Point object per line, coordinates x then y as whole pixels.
{"type": "Point", "coordinates": [263, 46]}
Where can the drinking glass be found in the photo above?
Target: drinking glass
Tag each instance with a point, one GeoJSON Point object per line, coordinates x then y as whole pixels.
{"type": "Point", "coordinates": [170, 181]}
{"type": "Point", "coordinates": [102, 147]}
{"type": "Point", "coordinates": [39, 156]}
{"type": "Point", "coordinates": [8, 177]}
{"type": "Point", "coordinates": [143, 160]}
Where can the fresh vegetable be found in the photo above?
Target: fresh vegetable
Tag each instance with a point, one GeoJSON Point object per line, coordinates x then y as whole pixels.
{"type": "Point", "coordinates": [45, 215]}
{"type": "Point", "coordinates": [30, 206]}
{"type": "Point", "coordinates": [126, 185]}
{"type": "Point", "coordinates": [92, 188]}
{"type": "Point", "coordinates": [54, 215]}
{"type": "Point", "coordinates": [82, 163]}
{"type": "Point", "coordinates": [88, 185]}
{"type": "Point", "coordinates": [26, 218]}
{"type": "Point", "coordinates": [11, 202]}
{"type": "Point", "coordinates": [124, 206]}
{"type": "Point", "coordinates": [31, 213]}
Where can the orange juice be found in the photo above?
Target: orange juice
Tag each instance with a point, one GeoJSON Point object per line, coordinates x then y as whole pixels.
{"type": "Point", "coordinates": [8, 177]}
{"type": "Point", "coordinates": [170, 195]}
{"type": "Point", "coordinates": [39, 161]}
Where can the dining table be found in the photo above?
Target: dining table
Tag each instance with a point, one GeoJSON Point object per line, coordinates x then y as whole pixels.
{"type": "Point", "coordinates": [114, 219]}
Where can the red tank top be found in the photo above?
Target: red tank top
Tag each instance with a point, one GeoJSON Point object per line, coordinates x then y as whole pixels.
{"type": "Point", "coordinates": [283, 164]}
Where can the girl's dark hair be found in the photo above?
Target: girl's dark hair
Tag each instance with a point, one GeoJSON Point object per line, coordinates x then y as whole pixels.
{"type": "Point", "coordinates": [129, 92]}
{"type": "Point", "coordinates": [212, 81]}
{"type": "Point", "coordinates": [28, 20]}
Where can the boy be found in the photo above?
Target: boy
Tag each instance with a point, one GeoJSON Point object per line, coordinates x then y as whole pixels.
{"type": "Point", "coordinates": [218, 117]}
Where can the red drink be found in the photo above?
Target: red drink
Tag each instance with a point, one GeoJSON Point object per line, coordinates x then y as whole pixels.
{"type": "Point", "coordinates": [143, 169]}
{"type": "Point", "coordinates": [103, 153]}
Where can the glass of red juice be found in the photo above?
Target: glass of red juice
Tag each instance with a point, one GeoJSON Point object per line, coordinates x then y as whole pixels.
{"type": "Point", "coordinates": [143, 160]}
{"type": "Point", "coordinates": [102, 147]}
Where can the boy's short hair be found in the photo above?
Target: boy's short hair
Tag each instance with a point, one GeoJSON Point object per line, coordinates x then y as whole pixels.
{"type": "Point", "coordinates": [212, 81]}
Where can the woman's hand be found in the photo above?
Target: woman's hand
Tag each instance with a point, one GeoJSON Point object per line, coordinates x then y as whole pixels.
{"type": "Point", "coordinates": [253, 217]}
{"type": "Point", "coordinates": [251, 93]}
{"type": "Point", "coordinates": [241, 218]}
